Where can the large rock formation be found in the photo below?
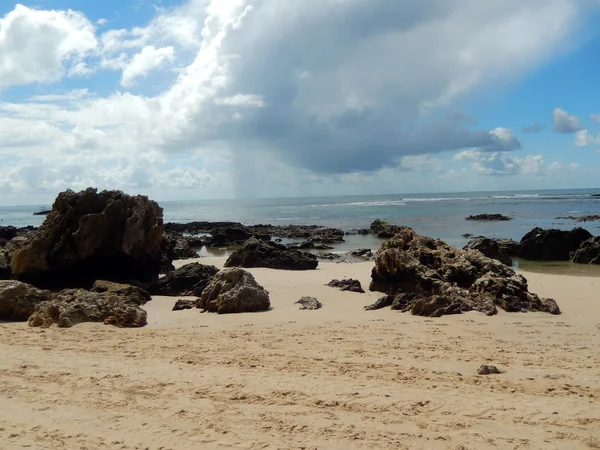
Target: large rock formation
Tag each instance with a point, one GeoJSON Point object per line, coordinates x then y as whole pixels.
{"type": "Point", "coordinates": [234, 290]}
{"type": "Point", "coordinates": [588, 252]}
{"type": "Point", "coordinates": [90, 235]}
{"type": "Point", "coordinates": [190, 279]}
{"type": "Point", "coordinates": [18, 300]}
{"type": "Point", "coordinates": [429, 277]}
{"type": "Point", "coordinates": [256, 253]}
{"type": "Point", "coordinates": [552, 245]}
{"type": "Point", "coordinates": [72, 306]}
{"type": "Point", "coordinates": [499, 249]}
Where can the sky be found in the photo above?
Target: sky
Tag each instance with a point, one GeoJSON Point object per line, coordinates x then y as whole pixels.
{"type": "Point", "coordinates": [196, 99]}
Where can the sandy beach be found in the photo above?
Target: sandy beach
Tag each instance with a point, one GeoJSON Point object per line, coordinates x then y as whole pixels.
{"type": "Point", "coordinates": [339, 377]}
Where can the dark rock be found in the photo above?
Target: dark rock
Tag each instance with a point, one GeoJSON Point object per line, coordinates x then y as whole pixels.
{"type": "Point", "coordinates": [384, 230]}
{"type": "Point", "coordinates": [489, 217]}
{"type": "Point", "coordinates": [488, 370]}
{"type": "Point", "coordinates": [180, 247]}
{"type": "Point", "coordinates": [228, 236]}
{"type": "Point", "coordinates": [381, 302]}
{"type": "Point", "coordinates": [347, 284]}
{"type": "Point", "coordinates": [234, 290]}
{"type": "Point", "coordinates": [43, 212]}
{"type": "Point", "coordinates": [551, 245]}
{"type": "Point", "coordinates": [256, 253]}
{"type": "Point", "coordinates": [490, 248]}
{"type": "Point", "coordinates": [328, 256]}
{"type": "Point", "coordinates": [181, 304]}
{"type": "Point", "coordinates": [190, 279]}
{"type": "Point", "coordinates": [361, 231]}
{"type": "Point", "coordinates": [590, 218]}
{"type": "Point", "coordinates": [89, 235]}
{"type": "Point", "coordinates": [72, 306]}
{"type": "Point", "coordinates": [365, 253]}
{"type": "Point", "coordinates": [588, 252]}
{"type": "Point", "coordinates": [132, 293]}
{"type": "Point", "coordinates": [434, 278]}
{"type": "Point", "coordinates": [309, 303]}
{"type": "Point", "coordinates": [8, 233]}
{"type": "Point", "coordinates": [18, 300]}
{"type": "Point", "coordinates": [6, 253]}
{"type": "Point", "coordinates": [467, 235]}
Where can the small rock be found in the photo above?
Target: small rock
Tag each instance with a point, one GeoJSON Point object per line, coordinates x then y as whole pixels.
{"type": "Point", "coordinates": [348, 284]}
{"type": "Point", "coordinates": [309, 303]}
{"type": "Point", "coordinates": [181, 304]}
{"type": "Point", "coordinates": [488, 370]}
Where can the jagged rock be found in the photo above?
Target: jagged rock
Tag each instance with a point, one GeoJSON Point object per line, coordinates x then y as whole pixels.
{"type": "Point", "coordinates": [347, 284]}
{"type": "Point", "coordinates": [365, 253]}
{"type": "Point", "coordinates": [18, 300]}
{"type": "Point", "coordinates": [72, 306]}
{"type": "Point", "coordinates": [328, 256]}
{"type": "Point", "coordinates": [6, 253]}
{"type": "Point", "coordinates": [488, 370]}
{"type": "Point", "coordinates": [180, 247]}
{"type": "Point", "coordinates": [90, 235]}
{"type": "Point", "coordinates": [231, 235]}
{"type": "Point", "coordinates": [490, 248]}
{"type": "Point", "coordinates": [133, 294]}
{"type": "Point", "coordinates": [234, 290]}
{"type": "Point", "coordinates": [427, 276]}
{"type": "Point", "coordinates": [588, 252]}
{"type": "Point", "coordinates": [182, 304]}
{"type": "Point", "coordinates": [552, 245]}
{"type": "Point", "coordinates": [190, 279]}
{"type": "Point", "coordinates": [256, 253]}
{"type": "Point", "coordinates": [381, 302]}
{"type": "Point", "coordinates": [309, 303]}
{"type": "Point", "coordinates": [489, 217]}
{"type": "Point", "coordinates": [384, 230]}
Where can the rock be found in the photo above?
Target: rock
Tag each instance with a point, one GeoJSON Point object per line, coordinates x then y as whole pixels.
{"type": "Point", "coordinates": [231, 235]}
{"type": "Point", "coordinates": [365, 253]}
{"type": "Point", "coordinates": [588, 252]}
{"type": "Point", "coordinates": [360, 231]}
{"type": "Point", "coordinates": [134, 294]}
{"type": "Point", "coordinates": [552, 245]}
{"type": "Point", "coordinates": [384, 230]}
{"type": "Point", "coordinates": [589, 218]}
{"type": "Point", "coordinates": [7, 233]}
{"type": "Point", "coordinates": [329, 256]}
{"type": "Point", "coordinates": [43, 212]}
{"type": "Point", "coordinates": [234, 290]}
{"type": "Point", "coordinates": [488, 217]}
{"type": "Point", "coordinates": [180, 247]}
{"type": "Point", "coordinates": [306, 245]}
{"type": "Point", "coordinates": [182, 304]}
{"type": "Point", "coordinates": [72, 306]}
{"type": "Point", "coordinates": [381, 302]}
{"type": "Point", "coordinates": [6, 253]}
{"type": "Point", "coordinates": [488, 370]}
{"type": "Point", "coordinates": [18, 300]}
{"type": "Point", "coordinates": [256, 253]}
{"type": "Point", "coordinates": [467, 235]}
{"type": "Point", "coordinates": [89, 235]}
{"type": "Point", "coordinates": [490, 248]}
{"type": "Point", "coordinates": [309, 303]}
{"type": "Point", "coordinates": [347, 284]}
{"type": "Point", "coordinates": [190, 279]}
{"type": "Point", "coordinates": [427, 276]}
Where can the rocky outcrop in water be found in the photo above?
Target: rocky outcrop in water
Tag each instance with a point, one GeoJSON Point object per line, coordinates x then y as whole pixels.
{"type": "Point", "coordinates": [347, 284]}
{"type": "Point", "coordinates": [589, 218]}
{"type": "Point", "coordinates": [257, 253]}
{"type": "Point", "coordinates": [428, 277]}
{"type": "Point", "coordinates": [552, 245]}
{"type": "Point", "coordinates": [493, 248]}
{"type": "Point", "coordinates": [18, 300]}
{"type": "Point", "coordinates": [361, 253]}
{"type": "Point", "coordinates": [488, 218]}
{"type": "Point", "coordinates": [190, 279]}
{"type": "Point", "coordinates": [91, 235]}
{"type": "Point", "coordinates": [73, 306]}
{"type": "Point", "coordinates": [588, 252]}
{"type": "Point", "coordinates": [383, 229]}
{"type": "Point", "coordinates": [234, 290]}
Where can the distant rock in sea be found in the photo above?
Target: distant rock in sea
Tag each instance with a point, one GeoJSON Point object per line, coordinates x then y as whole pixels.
{"type": "Point", "coordinates": [488, 218]}
{"type": "Point", "coordinates": [256, 253]}
{"type": "Point", "coordinates": [43, 212]}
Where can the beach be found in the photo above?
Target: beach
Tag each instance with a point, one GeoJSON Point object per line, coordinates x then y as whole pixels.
{"type": "Point", "coordinates": [338, 377]}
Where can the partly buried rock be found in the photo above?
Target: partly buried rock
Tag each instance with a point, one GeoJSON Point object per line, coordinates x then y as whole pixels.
{"type": "Point", "coordinates": [347, 284]}
{"type": "Point", "coordinates": [190, 279]}
{"type": "Point", "coordinates": [256, 253]}
{"type": "Point", "coordinates": [488, 217]}
{"type": "Point", "coordinates": [490, 248]}
{"type": "Point", "coordinates": [552, 245]}
{"type": "Point", "coordinates": [90, 235]}
{"type": "Point", "coordinates": [18, 300]}
{"type": "Point", "coordinates": [234, 290]}
{"type": "Point", "coordinates": [72, 306]}
{"type": "Point", "coordinates": [308, 303]}
{"type": "Point", "coordinates": [384, 230]}
{"type": "Point", "coordinates": [588, 252]}
{"type": "Point", "coordinates": [182, 304]}
{"type": "Point", "coordinates": [488, 370]}
{"type": "Point", "coordinates": [133, 294]}
{"type": "Point", "coordinates": [428, 277]}
{"type": "Point", "coordinates": [365, 253]}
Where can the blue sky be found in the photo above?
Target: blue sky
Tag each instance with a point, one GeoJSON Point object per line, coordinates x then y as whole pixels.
{"type": "Point", "coordinates": [185, 99]}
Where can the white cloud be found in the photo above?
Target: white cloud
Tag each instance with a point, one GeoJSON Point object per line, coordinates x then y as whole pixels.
{"type": "Point", "coordinates": [584, 138]}
{"type": "Point", "coordinates": [595, 117]}
{"type": "Point", "coordinates": [565, 122]}
{"type": "Point", "coordinates": [243, 100]}
{"type": "Point", "coordinates": [42, 46]}
{"type": "Point", "coordinates": [101, 22]}
{"type": "Point", "coordinates": [149, 59]}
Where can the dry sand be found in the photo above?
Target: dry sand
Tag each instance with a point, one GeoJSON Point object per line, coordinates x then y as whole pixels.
{"type": "Point", "coordinates": [335, 378]}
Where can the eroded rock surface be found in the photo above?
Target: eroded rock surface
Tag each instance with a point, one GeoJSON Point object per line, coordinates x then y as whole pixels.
{"type": "Point", "coordinates": [347, 284]}
{"type": "Point", "coordinates": [308, 303]}
{"type": "Point", "coordinates": [428, 277]}
{"type": "Point", "coordinates": [588, 252]}
{"type": "Point", "coordinates": [490, 248]}
{"type": "Point", "coordinates": [234, 290]}
{"type": "Point", "coordinates": [552, 245]}
{"type": "Point", "coordinates": [133, 294]}
{"type": "Point", "coordinates": [190, 279]}
{"type": "Point", "coordinates": [257, 253]}
{"type": "Point", "coordinates": [18, 300]}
